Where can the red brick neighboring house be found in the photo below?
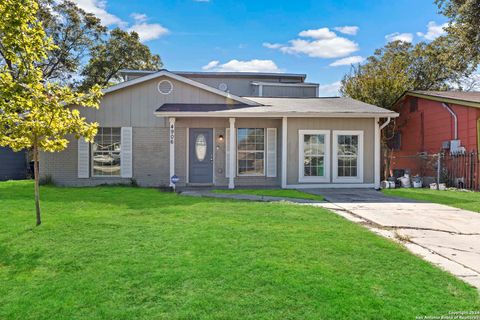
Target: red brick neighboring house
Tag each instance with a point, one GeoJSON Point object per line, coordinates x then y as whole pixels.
{"type": "Point", "coordinates": [431, 121]}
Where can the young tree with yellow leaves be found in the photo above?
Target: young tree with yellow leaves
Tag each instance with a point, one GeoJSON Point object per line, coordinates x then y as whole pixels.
{"type": "Point", "coordinates": [35, 114]}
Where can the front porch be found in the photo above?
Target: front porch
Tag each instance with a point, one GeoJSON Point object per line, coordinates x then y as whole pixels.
{"type": "Point", "coordinates": [204, 153]}
{"type": "Point", "coordinates": [281, 152]}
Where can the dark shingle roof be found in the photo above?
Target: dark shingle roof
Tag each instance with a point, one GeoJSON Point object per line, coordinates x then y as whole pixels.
{"type": "Point", "coordinates": [285, 106]}
{"type": "Point", "coordinates": [322, 105]}
{"type": "Point", "coordinates": [200, 107]}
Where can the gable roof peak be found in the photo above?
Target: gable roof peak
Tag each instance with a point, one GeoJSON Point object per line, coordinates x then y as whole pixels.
{"type": "Point", "coordinates": [168, 74]}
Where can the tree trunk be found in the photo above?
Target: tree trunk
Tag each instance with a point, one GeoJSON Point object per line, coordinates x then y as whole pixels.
{"type": "Point", "coordinates": [37, 183]}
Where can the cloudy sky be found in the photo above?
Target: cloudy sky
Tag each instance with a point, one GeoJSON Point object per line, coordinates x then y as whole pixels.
{"type": "Point", "coordinates": [319, 38]}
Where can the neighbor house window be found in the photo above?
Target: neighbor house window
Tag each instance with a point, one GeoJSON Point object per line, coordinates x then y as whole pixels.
{"type": "Point", "coordinates": [413, 104]}
{"type": "Point", "coordinates": [106, 152]}
{"type": "Point", "coordinates": [348, 156]}
{"type": "Point", "coordinates": [314, 153]}
{"type": "Point", "coordinates": [251, 151]}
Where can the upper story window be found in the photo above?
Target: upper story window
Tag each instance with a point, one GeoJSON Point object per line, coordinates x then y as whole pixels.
{"type": "Point", "coordinates": [251, 151]}
{"type": "Point", "coordinates": [106, 152]}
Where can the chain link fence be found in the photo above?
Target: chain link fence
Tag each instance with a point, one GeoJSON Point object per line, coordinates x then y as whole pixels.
{"type": "Point", "coordinates": [460, 170]}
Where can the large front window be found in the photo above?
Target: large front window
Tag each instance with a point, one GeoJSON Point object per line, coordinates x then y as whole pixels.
{"type": "Point", "coordinates": [348, 161]}
{"type": "Point", "coordinates": [251, 151]}
{"type": "Point", "coordinates": [314, 151]}
{"type": "Point", "coordinates": [106, 152]}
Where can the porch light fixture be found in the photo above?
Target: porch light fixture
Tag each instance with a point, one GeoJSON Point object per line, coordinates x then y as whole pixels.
{"type": "Point", "coordinates": [220, 138]}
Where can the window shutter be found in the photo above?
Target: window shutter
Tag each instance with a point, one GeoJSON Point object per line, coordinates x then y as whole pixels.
{"type": "Point", "coordinates": [126, 153]}
{"type": "Point", "coordinates": [83, 158]}
{"type": "Point", "coordinates": [271, 152]}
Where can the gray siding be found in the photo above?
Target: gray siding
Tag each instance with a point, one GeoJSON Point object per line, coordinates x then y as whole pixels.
{"type": "Point", "coordinates": [240, 86]}
{"type": "Point", "coordinates": [289, 92]}
{"type": "Point", "coordinates": [134, 106]}
{"type": "Point", "coordinates": [151, 152]}
{"type": "Point", "coordinates": [151, 156]}
{"type": "Point", "coordinates": [296, 124]}
{"type": "Point", "coordinates": [219, 125]}
{"type": "Point", "coordinates": [243, 87]}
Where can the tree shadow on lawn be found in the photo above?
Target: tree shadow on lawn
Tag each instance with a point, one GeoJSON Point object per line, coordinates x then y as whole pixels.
{"type": "Point", "coordinates": [128, 197]}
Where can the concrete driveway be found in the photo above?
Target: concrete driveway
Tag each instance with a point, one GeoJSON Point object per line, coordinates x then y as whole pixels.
{"type": "Point", "coordinates": [443, 235]}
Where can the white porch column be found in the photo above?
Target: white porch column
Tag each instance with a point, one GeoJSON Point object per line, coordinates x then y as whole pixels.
{"type": "Point", "coordinates": [284, 152]}
{"type": "Point", "coordinates": [377, 148]}
{"type": "Point", "coordinates": [172, 149]}
{"type": "Point", "coordinates": [231, 145]}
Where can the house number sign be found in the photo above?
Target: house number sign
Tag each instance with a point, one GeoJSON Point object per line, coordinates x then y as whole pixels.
{"type": "Point", "coordinates": [172, 133]}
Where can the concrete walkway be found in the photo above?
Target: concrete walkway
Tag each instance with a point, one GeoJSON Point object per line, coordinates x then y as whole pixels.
{"type": "Point", "coordinates": [445, 236]}
{"type": "Point", "coordinates": [210, 194]}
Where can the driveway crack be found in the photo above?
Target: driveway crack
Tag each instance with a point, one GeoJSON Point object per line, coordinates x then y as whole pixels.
{"type": "Point", "coordinates": [455, 249]}
{"type": "Point", "coordinates": [380, 226]}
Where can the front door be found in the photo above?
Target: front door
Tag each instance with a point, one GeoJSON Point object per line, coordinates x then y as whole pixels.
{"type": "Point", "coordinates": [200, 162]}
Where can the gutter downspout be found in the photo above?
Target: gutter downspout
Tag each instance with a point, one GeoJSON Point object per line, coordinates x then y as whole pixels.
{"type": "Point", "coordinates": [377, 151]}
{"type": "Point", "coordinates": [385, 123]}
{"type": "Point", "coordinates": [455, 119]}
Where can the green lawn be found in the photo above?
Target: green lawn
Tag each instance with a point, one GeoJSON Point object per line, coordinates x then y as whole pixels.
{"type": "Point", "coordinates": [458, 199]}
{"type": "Point", "coordinates": [132, 253]}
{"type": "Point", "coordinates": [294, 194]}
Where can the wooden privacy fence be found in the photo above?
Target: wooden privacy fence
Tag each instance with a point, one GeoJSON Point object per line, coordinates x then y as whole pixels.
{"type": "Point", "coordinates": [461, 170]}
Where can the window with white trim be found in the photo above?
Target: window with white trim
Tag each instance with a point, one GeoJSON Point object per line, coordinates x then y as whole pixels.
{"type": "Point", "coordinates": [106, 149]}
{"type": "Point", "coordinates": [348, 156]}
{"type": "Point", "coordinates": [251, 151]}
{"type": "Point", "coordinates": [314, 154]}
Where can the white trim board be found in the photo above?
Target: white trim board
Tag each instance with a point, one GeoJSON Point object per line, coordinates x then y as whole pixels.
{"type": "Point", "coordinates": [330, 185]}
{"type": "Point", "coordinates": [284, 151]}
{"type": "Point", "coordinates": [268, 114]}
{"type": "Point", "coordinates": [283, 84]}
{"type": "Point", "coordinates": [168, 74]}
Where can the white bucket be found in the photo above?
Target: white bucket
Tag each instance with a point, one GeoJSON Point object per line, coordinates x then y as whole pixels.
{"type": "Point", "coordinates": [405, 181]}
{"type": "Point", "coordinates": [417, 184]}
{"type": "Point", "coordinates": [441, 186]}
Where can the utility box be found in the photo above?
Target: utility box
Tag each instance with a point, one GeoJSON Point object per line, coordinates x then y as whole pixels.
{"type": "Point", "coordinates": [455, 147]}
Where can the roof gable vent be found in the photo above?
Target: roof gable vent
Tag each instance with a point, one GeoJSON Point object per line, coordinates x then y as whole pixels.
{"type": "Point", "coordinates": [165, 87]}
{"type": "Point", "coordinates": [223, 86]}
